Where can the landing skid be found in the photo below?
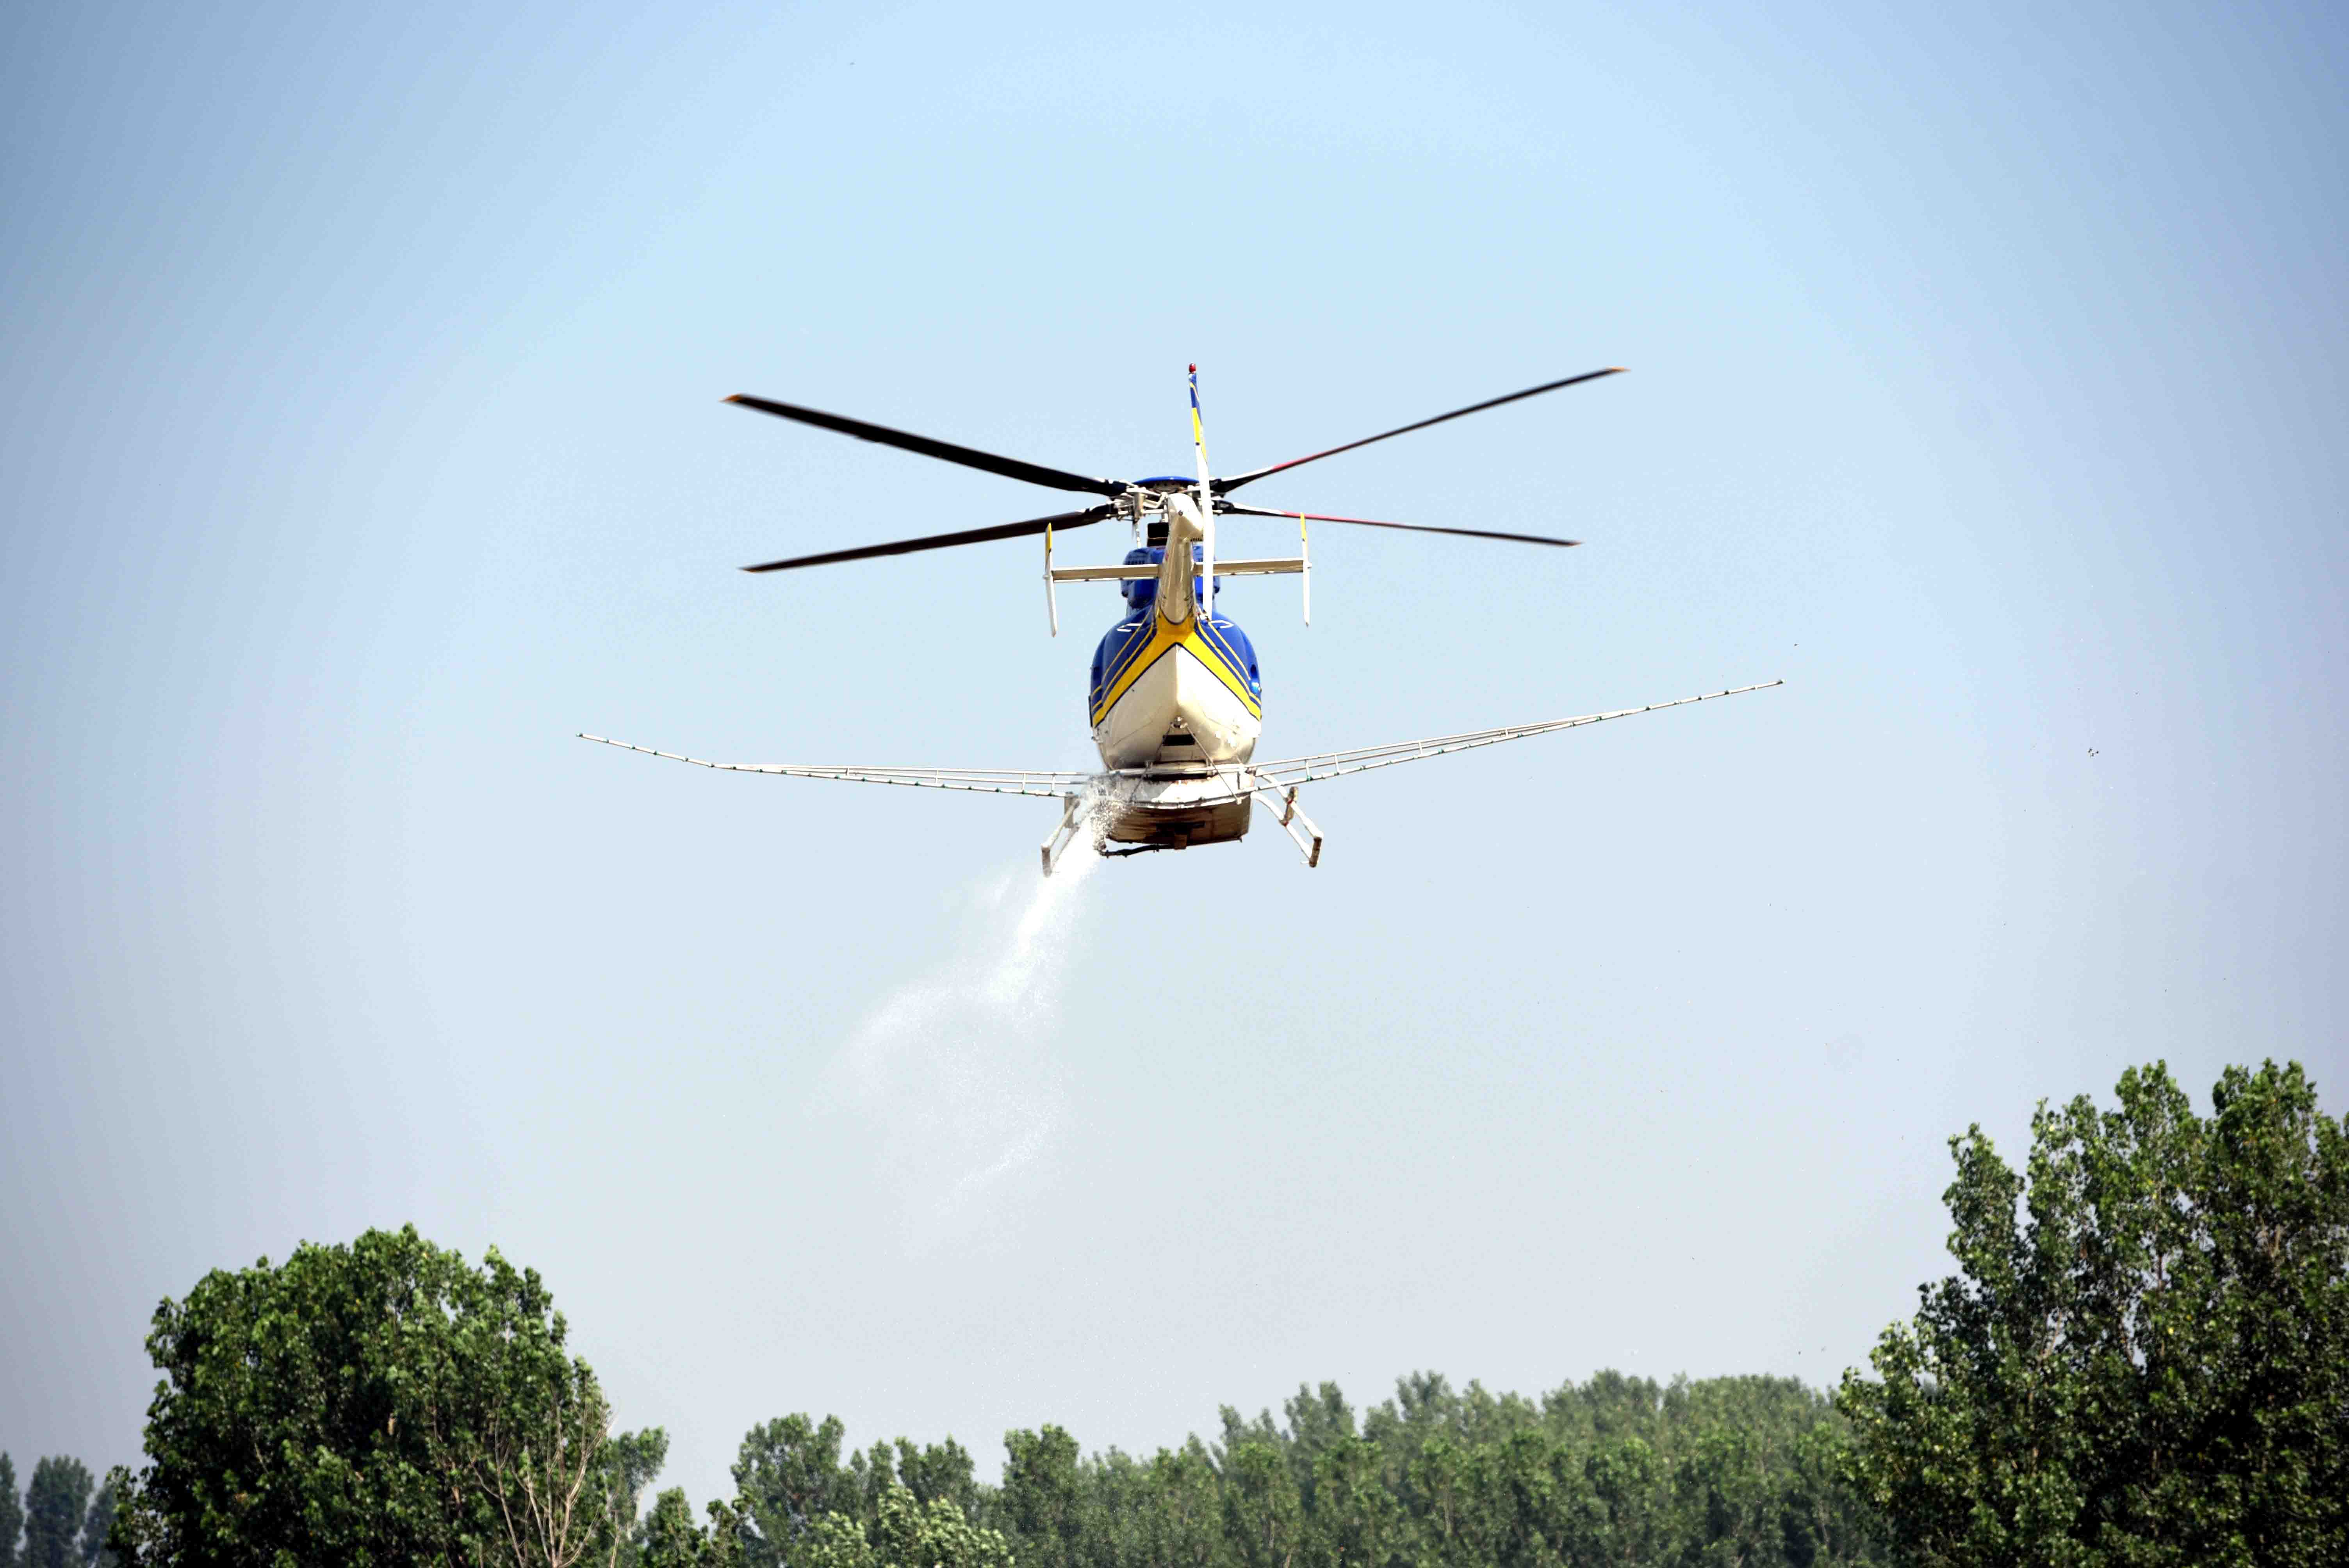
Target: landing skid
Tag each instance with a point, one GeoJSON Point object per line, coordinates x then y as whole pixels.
{"type": "Point", "coordinates": [1072, 811]}
{"type": "Point", "coordinates": [1294, 823]}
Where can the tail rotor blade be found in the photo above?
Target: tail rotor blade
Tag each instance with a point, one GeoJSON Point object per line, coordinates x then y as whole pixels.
{"type": "Point", "coordinates": [1224, 487]}
{"type": "Point", "coordinates": [942, 541]}
{"type": "Point", "coordinates": [969, 457]}
{"type": "Point", "coordinates": [1406, 527]}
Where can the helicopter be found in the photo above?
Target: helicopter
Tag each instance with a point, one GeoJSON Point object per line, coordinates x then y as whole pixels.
{"type": "Point", "coordinates": [1177, 693]}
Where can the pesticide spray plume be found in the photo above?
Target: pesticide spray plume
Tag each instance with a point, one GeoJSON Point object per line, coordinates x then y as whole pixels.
{"type": "Point", "coordinates": [954, 1070]}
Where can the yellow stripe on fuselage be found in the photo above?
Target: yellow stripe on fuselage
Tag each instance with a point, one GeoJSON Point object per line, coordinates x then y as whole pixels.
{"type": "Point", "coordinates": [1163, 639]}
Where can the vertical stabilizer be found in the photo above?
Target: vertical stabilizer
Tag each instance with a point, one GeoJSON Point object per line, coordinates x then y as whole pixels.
{"type": "Point", "coordinates": [1178, 574]}
{"type": "Point", "coordinates": [1206, 507]}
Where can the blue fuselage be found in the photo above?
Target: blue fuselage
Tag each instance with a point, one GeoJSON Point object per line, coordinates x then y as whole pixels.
{"type": "Point", "coordinates": [1131, 633]}
{"type": "Point", "coordinates": [1176, 694]}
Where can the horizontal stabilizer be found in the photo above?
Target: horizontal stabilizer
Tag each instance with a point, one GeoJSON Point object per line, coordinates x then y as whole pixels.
{"type": "Point", "coordinates": [1143, 572]}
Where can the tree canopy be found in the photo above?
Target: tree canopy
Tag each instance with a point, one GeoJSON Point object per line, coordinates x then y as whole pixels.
{"type": "Point", "coordinates": [380, 1403]}
{"type": "Point", "coordinates": [2144, 1358]}
{"type": "Point", "coordinates": [12, 1512]}
{"type": "Point", "coordinates": [54, 1505]}
{"type": "Point", "coordinates": [49, 1518]}
{"type": "Point", "coordinates": [1619, 1470]}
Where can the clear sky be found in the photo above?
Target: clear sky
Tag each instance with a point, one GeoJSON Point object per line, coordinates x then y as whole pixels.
{"type": "Point", "coordinates": [360, 441]}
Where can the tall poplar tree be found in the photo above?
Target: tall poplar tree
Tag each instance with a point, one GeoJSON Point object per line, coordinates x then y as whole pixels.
{"type": "Point", "coordinates": [53, 1513]}
{"type": "Point", "coordinates": [2144, 1358]}
{"type": "Point", "coordinates": [12, 1512]}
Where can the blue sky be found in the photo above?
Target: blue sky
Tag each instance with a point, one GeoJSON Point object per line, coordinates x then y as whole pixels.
{"type": "Point", "coordinates": [360, 441]}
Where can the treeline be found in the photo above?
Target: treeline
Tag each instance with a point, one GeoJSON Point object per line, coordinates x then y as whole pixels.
{"type": "Point", "coordinates": [2142, 1359]}
{"type": "Point", "coordinates": [56, 1522]}
{"type": "Point", "coordinates": [1619, 1470]}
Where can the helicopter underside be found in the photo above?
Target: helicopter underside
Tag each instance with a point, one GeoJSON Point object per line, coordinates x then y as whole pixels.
{"type": "Point", "coordinates": [1165, 810]}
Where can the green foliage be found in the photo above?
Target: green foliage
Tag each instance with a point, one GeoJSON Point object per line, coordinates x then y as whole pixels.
{"type": "Point", "coordinates": [1041, 1501]}
{"type": "Point", "coordinates": [942, 1470]}
{"type": "Point", "coordinates": [100, 1520]}
{"type": "Point", "coordinates": [2145, 1357]}
{"type": "Point", "coordinates": [12, 1512]}
{"type": "Point", "coordinates": [670, 1538]}
{"type": "Point", "coordinates": [1745, 1471]}
{"type": "Point", "coordinates": [380, 1403]}
{"type": "Point", "coordinates": [53, 1513]}
{"type": "Point", "coordinates": [2143, 1362]}
{"type": "Point", "coordinates": [60, 1533]}
{"type": "Point", "coordinates": [904, 1533]}
{"type": "Point", "coordinates": [788, 1476]}
{"type": "Point", "coordinates": [631, 1461]}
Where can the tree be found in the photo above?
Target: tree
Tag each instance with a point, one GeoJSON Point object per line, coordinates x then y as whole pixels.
{"type": "Point", "coordinates": [375, 1403]}
{"type": "Point", "coordinates": [531, 1428]}
{"type": "Point", "coordinates": [938, 1470]}
{"type": "Point", "coordinates": [630, 1461]}
{"type": "Point", "coordinates": [1822, 1518]}
{"type": "Point", "coordinates": [1357, 1524]}
{"type": "Point", "coordinates": [906, 1533]}
{"type": "Point", "coordinates": [1181, 1521]}
{"type": "Point", "coordinates": [100, 1519]}
{"type": "Point", "coordinates": [12, 1512]}
{"type": "Point", "coordinates": [2145, 1357]}
{"type": "Point", "coordinates": [53, 1513]}
{"type": "Point", "coordinates": [788, 1475]}
{"type": "Point", "coordinates": [1041, 1496]}
{"type": "Point", "coordinates": [1744, 1471]}
{"type": "Point", "coordinates": [1262, 1512]}
{"type": "Point", "coordinates": [670, 1538]}
{"type": "Point", "coordinates": [1320, 1421]}
{"type": "Point", "coordinates": [1621, 1523]}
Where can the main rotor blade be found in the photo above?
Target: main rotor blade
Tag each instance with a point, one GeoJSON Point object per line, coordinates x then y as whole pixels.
{"type": "Point", "coordinates": [1224, 487]}
{"type": "Point", "coordinates": [969, 457]}
{"type": "Point", "coordinates": [1406, 527]}
{"type": "Point", "coordinates": [943, 541]}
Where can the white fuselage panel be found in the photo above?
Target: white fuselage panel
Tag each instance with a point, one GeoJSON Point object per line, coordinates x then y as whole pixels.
{"type": "Point", "coordinates": [1177, 711]}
